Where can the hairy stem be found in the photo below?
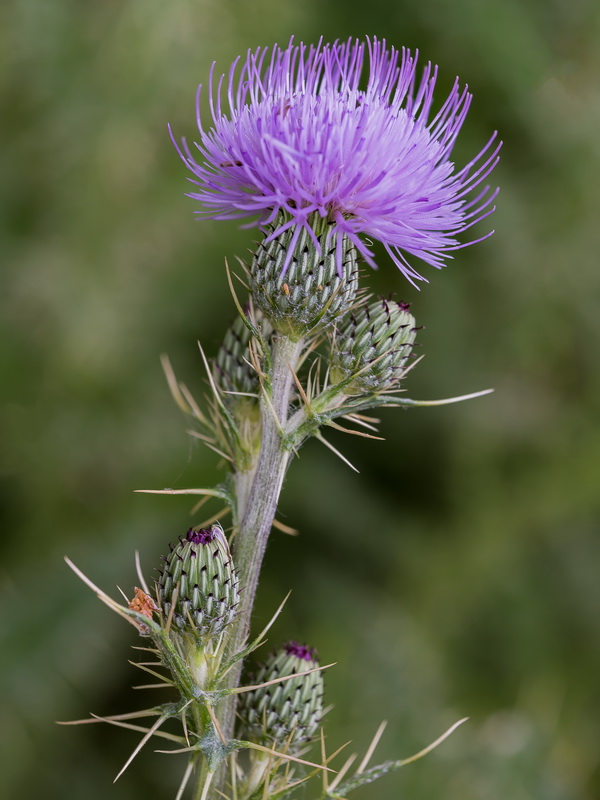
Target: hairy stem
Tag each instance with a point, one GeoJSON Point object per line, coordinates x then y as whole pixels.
{"type": "Point", "coordinates": [261, 502]}
{"type": "Point", "coordinates": [242, 482]}
{"type": "Point", "coordinates": [203, 784]}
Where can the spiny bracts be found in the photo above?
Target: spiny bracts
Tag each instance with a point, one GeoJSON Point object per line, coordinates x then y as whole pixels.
{"type": "Point", "coordinates": [233, 368]}
{"type": "Point", "coordinates": [200, 582]}
{"type": "Point", "coordinates": [302, 282]}
{"type": "Point", "coordinates": [374, 345]}
{"type": "Point", "coordinates": [289, 712]}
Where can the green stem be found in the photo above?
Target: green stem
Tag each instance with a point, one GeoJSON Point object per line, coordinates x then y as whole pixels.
{"type": "Point", "coordinates": [204, 781]}
{"type": "Point", "coordinates": [242, 482]}
{"type": "Point", "coordinates": [260, 502]}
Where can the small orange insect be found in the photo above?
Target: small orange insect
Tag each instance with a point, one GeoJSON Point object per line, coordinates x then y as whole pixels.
{"type": "Point", "coordinates": [142, 603]}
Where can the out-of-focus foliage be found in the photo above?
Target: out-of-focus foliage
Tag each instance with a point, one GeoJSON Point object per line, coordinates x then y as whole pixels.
{"type": "Point", "coordinates": [458, 574]}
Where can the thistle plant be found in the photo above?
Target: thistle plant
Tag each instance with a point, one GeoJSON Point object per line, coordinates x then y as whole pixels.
{"type": "Point", "coordinates": [323, 148]}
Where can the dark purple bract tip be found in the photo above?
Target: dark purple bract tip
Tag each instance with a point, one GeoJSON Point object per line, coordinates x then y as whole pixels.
{"type": "Point", "coordinates": [300, 651]}
{"type": "Point", "coordinates": [204, 536]}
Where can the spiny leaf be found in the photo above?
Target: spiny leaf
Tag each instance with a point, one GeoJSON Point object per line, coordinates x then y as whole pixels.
{"type": "Point", "coordinates": [338, 790]}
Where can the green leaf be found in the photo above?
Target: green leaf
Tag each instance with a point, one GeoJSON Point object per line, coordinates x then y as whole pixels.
{"type": "Point", "coordinates": [368, 776]}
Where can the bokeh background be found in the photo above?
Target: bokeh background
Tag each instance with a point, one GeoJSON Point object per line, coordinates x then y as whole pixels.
{"type": "Point", "coordinates": [458, 574]}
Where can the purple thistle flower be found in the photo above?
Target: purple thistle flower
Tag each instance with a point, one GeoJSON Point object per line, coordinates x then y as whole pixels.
{"type": "Point", "coordinates": [294, 132]}
{"type": "Point", "coordinates": [204, 536]}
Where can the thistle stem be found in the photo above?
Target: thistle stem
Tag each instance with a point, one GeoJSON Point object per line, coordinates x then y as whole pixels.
{"type": "Point", "coordinates": [260, 504]}
{"type": "Point", "coordinates": [203, 784]}
{"type": "Point", "coordinates": [242, 482]}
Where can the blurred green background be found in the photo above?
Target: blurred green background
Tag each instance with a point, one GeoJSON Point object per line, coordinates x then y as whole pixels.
{"type": "Point", "coordinates": [459, 574]}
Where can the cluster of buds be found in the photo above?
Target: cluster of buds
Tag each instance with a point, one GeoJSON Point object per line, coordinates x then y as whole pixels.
{"type": "Point", "coordinates": [304, 290]}
{"type": "Point", "coordinates": [198, 596]}
{"type": "Point", "coordinates": [303, 280]}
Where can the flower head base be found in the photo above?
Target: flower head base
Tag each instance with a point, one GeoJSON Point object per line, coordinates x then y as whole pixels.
{"type": "Point", "coordinates": [313, 290]}
{"type": "Point", "coordinates": [304, 133]}
{"type": "Point", "coordinates": [199, 585]}
{"type": "Point", "coordinates": [374, 346]}
{"type": "Point", "coordinates": [288, 712]}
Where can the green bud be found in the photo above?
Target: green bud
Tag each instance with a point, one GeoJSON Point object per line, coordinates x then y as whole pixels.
{"type": "Point", "coordinates": [316, 286]}
{"type": "Point", "coordinates": [289, 711]}
{"type": "Point", "coordinates": [199, 578]}
{"type": "Point", "coordinates": [234, 372]}
{"type": "Point", "coordinates": [374, 344]}
{"type": "Point", "coordinates": [233, 366]}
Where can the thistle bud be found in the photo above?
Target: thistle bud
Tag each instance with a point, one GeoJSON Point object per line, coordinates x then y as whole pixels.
{"type": "Point", "coordinates": [374, 346]}
{"type": "Point", "coordinates": [289, 711]}
{"type": "Point", "coordinates": [199, 580]}
{"type": "Point", "coordinates": [310, 292]}
{"type": "Point", "coordinates": [233, 366]}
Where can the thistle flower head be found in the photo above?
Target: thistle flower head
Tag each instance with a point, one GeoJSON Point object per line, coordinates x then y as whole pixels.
{"type": "Point", "coordinates": [289, 711]}
{"type": "Point", "coordinates": [317, 130]}
{"type": "Point", "coordinates": [199, 585]}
